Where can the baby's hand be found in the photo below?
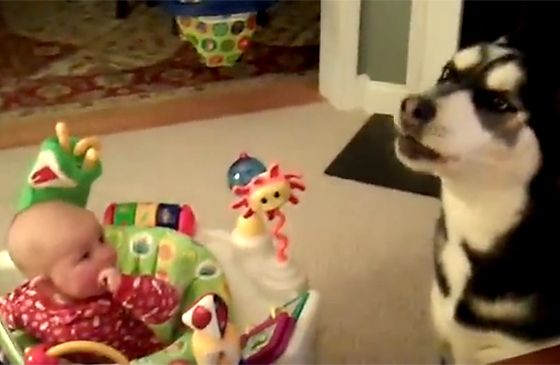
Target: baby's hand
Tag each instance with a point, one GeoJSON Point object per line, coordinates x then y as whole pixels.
{"type": "Point", "coordinates": [110, 278]}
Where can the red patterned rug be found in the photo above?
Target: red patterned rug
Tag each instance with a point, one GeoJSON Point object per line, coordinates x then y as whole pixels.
{"type": "Point", "coordinates": [75, 54]}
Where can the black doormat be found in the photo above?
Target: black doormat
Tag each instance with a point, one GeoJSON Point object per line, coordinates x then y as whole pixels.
{"type": "Point", "coordinates": [370, 158]}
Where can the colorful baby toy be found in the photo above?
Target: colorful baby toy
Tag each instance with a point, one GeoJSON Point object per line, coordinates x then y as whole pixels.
{"type": "Point", "coordinates": [215, 339]}
{"type": "Point", "coordinates": [174, 216]}
{"type": "Point", "coordinates": [219, 40]}
{"type": "Point", "coordinates": [65, 169]}
{"type": "Point", "coordinates": [243, 170]}
{"type": "Point", "coordinates": [43, 355]}
{"type": "Point", "coordinates": [267, 193]}
{"type": "Point", "coordinates": [227, 281]}
{"type": "Point", "coordinates": [219, 30]}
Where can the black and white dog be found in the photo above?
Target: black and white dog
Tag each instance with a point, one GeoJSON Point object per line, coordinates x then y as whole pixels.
{"type": "Point", "coordinates": [489, 129]}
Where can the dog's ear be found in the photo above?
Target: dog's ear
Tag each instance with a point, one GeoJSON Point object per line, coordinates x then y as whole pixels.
{"type": "Point", "coordinates": [515, 40]}
{"type": "Point", "coordinates": [502, 41]}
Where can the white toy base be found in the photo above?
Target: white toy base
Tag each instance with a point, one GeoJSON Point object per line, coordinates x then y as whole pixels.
{"type": "Point", "coordinates": [258, 283]}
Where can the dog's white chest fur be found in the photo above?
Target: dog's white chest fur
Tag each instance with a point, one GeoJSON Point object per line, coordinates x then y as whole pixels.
{"type": "Point", "coordinates": [477, 222]}
{"type": "Point", "coordinates": [479, 218]}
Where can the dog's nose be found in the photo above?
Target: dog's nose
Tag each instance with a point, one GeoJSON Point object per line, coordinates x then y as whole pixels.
{"type": "Point", "coordinates": [419, 108]}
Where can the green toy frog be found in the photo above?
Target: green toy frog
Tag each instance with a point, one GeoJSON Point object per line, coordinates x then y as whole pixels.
{"type": "Point", "coordinates": [64, 169]}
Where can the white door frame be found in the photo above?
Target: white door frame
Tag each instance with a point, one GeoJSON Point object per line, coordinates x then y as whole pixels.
{"type": "Point", "coordinates": [433, 37]}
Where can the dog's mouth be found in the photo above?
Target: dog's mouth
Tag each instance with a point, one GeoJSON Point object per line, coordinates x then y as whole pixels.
{"type": "Point", "coordinates": [414, 150]}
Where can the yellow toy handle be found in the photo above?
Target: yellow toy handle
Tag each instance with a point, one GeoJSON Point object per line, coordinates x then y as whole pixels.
{"type": "Point", "coordinates": [90, 347]}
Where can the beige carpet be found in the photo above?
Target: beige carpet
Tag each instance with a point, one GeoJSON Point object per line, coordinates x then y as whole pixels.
{"type": "Point", "coordinates": [366, 249]}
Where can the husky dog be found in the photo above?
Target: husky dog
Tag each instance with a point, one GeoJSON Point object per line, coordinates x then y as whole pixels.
{"type": "Point", "coordinates": [489, 129]}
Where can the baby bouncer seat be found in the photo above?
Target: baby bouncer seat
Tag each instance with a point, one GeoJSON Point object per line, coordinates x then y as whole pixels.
{"type": "Point", "coordinates": [166, 254]}
{"type": "Point", "coordinates": [269, 309]}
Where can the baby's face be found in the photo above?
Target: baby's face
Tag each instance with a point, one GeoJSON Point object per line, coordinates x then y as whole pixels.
{"type": "Point", "coordinates": [83, 256]}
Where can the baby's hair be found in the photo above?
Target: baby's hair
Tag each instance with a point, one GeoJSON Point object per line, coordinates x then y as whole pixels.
{"type": "Point", "coordinates": [30, 234]}
{"type": "Point", "coordinates": [15, 239]}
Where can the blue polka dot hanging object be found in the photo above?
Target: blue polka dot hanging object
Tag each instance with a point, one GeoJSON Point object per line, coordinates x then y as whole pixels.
{"type": "Point", "coordinates": [243, 170]}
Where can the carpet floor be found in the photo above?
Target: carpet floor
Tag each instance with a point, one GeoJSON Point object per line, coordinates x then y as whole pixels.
{"type": "Point", "coordinates": [367, 249]}
{"type": "Point", "coordinates": [68, 57]}
{"type": "Point", "coordinates": [370, 158]}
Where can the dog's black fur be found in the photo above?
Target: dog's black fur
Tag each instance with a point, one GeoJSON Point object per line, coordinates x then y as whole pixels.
{"type": "Point", "coordinates": [526, 262]}
{"type": "Point", "coordinates": [496, 253]}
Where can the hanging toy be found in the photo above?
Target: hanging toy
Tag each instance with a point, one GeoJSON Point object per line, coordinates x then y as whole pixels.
{"type": "Point", "coordinates": [267, 193]}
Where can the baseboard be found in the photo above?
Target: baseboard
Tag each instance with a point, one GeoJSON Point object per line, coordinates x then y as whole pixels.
{"type": "Point", "coordinates": [162, 109]}
{"type": "Point", "coordinates": [381, 97]}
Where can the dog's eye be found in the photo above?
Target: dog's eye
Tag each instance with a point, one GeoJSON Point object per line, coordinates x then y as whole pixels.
{"type": "Point", "coordinates": [502, 105]}
{"type": "Point", "coordinates": [494, 102]}
{"type": "Point", "coordinates": [447, 74]}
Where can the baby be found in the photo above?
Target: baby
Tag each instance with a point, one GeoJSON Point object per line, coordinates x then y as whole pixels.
{"type": "Point", "coordinates": [75, 291]}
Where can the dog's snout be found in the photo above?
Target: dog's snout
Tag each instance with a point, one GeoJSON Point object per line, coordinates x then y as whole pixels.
{"type": "Point", "coordinates": [425, 110]}
{"type": "Point", "coordinates": [404, 104]}
{"type": "Point", "coordinates": [420, 108]}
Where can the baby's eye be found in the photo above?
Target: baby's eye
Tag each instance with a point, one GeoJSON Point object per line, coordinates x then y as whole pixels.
{"type": "Point", "coordinates": [85, 256]}
{"type": "Point", "coordinates": [102, 239]}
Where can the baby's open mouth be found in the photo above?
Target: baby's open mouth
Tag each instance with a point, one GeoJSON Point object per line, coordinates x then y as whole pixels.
{"type": "Point", "coordinates": [413, 149]}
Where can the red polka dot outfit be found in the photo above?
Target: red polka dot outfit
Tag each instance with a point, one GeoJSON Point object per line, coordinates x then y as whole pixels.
{"type": "Point", "coordinates": [119, 320]}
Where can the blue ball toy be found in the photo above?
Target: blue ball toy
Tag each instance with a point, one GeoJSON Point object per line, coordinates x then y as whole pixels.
{"type": "Point", "coordinates": [243, 170]}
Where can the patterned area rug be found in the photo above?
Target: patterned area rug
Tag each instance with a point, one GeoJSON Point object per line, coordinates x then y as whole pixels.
{"type": "Point", "coordinates": [76, 54]}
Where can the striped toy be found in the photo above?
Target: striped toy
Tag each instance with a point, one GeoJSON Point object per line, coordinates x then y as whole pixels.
{"type": "Point", "coordinates": [178, 217]}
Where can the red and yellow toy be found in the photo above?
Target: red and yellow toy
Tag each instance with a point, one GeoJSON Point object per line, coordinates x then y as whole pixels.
{"type": "Point", "coordinates": [267, 193]}
{"type": "Point", "coordinates": [215, 339]}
